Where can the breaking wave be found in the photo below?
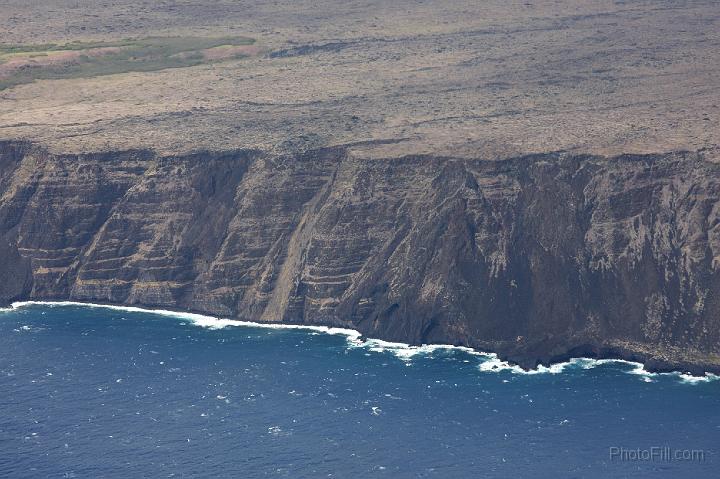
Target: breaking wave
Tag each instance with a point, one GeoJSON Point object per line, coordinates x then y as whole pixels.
{"type": "Point", "coordinates": [489, 362]}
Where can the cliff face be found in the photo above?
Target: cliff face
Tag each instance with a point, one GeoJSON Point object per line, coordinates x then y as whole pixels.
{"type": "Point", "coordinates": [538, 258]}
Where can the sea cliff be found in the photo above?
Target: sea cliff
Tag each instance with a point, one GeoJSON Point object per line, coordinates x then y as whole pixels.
{"type": "Point", "coordinates": [538, 258]}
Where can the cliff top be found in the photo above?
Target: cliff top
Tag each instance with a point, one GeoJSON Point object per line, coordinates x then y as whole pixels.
{"type": "Point", "coordinates": [484, 79]}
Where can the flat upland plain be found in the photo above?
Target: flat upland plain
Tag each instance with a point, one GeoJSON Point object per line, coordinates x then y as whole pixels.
{"type": "Point", "coordinates": [484, 79]}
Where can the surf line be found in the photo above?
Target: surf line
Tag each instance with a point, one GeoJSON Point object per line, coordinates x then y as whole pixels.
{"type": "Point", "coordinates": [403, 351]}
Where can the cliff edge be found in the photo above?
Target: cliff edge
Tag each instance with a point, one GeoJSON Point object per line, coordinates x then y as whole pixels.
{"type": "Point", "coordinates": [538, 258]}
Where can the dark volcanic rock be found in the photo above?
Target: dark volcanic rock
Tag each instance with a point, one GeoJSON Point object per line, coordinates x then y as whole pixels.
{"type": "Point", "coordinates": [15, 274]}
{"type": "Point", "coordinates": [538, 258]}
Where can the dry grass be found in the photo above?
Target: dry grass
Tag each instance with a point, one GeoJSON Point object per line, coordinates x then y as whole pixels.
{"type": "Point", "coordinates": [484, 79]}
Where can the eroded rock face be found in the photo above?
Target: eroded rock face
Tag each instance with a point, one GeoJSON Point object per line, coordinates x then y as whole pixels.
{"type": "Point", "coordinates": [538, 258]}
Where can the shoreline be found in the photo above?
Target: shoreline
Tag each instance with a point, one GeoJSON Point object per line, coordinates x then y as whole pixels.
{"type": "Point", "coordinates": [403, 351]}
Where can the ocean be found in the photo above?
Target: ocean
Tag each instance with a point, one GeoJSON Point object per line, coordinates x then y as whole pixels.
{"type": "Point", "coordinates": [91, 391]}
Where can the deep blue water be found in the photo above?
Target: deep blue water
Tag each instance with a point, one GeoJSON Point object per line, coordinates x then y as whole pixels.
{"type": "Point", "coordinates": [97, 392]}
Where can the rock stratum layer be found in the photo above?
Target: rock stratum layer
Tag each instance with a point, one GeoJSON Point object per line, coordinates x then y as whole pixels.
{"type": "Point", "coordinates": [538, 258]}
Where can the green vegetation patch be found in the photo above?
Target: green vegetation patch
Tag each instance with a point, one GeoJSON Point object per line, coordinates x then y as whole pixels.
{"type": "Point", "coordinates": [21, 64]}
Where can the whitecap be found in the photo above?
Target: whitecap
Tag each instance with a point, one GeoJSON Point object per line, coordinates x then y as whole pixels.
{"type": "Point", "coordinates": [28, 329]}
{"type": "Point", "coordinates": [277, 431]}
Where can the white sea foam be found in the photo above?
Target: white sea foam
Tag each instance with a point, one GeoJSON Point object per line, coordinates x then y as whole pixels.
{"type": "Point", "coordinates": [202, 320]}
{"type": "Point", "coordinates": [690, 379]}
{"type": "Point", "coordinates": [637, 369]}
{"type": "Point", "coordinates": [490, 362]}
{"type": "Point", "coordinates": [406, 352]}
{"type": "Point", "coordinates": [494, 364]}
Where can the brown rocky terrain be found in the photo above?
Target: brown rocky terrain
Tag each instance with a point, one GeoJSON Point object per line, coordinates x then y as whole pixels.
{"type": "Point", "coordinates": [540, 179]}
